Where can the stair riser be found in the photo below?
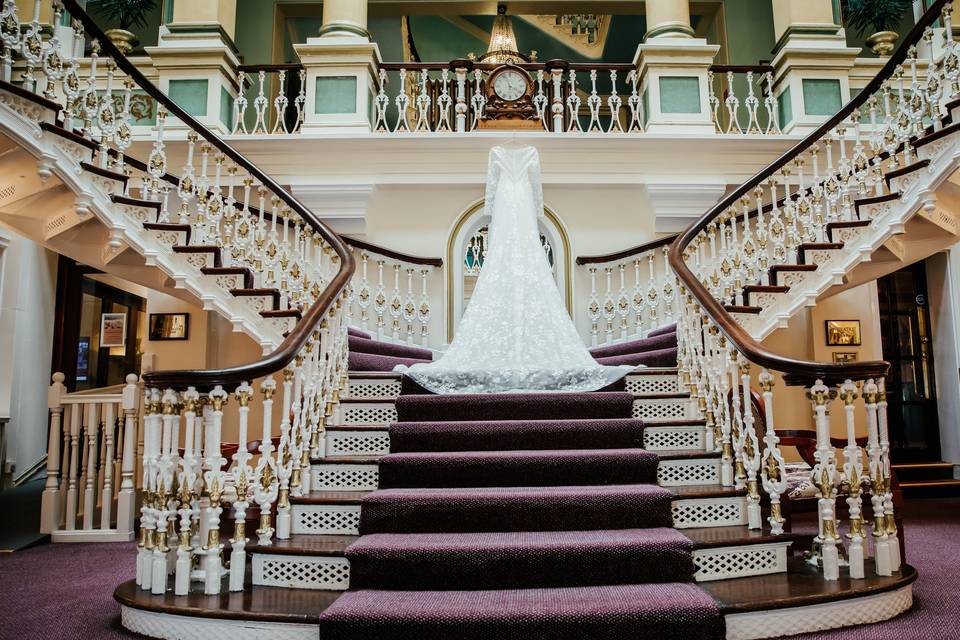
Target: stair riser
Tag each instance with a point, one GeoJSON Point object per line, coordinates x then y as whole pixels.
{"type": "Point", "coordinates": [650, 410]}
{"type": "Point", "coordinates": [688, 513]}
{"type": "Point", "coordinates": [333, 572]}
{"type": "Point", "coordinates": [364, 388]}
{"type": "Point", "coordinates": [364, 477]}
{"type": "Point", "coordinates": [372, 443]}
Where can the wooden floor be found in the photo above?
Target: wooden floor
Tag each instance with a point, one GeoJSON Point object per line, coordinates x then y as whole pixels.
{"type": "Point", "coordinates": [802, 585]}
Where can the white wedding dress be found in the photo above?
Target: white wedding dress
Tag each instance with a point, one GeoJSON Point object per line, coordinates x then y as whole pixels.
{"type": "Point", "coordinates": [515, 334]}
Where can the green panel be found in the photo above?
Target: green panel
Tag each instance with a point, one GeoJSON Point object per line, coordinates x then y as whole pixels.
{"type": "Point", "coordinates": [226, 108]}
{"type": "Point", "coordinates": [785, 108]}
{"type": "Point", "coordinates": [821, 97]}
{"type": "Point", "coordinates": [190, 94]}
{"type": "Point", "coordinates": [679, 94]}
{"type": "Point", "coordinates": [167, 11]}
{"type": "Point", "coordinates": [336, 94]}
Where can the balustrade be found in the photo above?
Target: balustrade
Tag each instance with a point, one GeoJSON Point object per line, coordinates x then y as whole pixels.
{"type": "Point", "coordinates": [271, 99]}
{"type": "Point", "coordinates": [224, 219]}
{"type": "Point", "coordinates": [735, 265]}
{"type": "Point", "coordinates": [741, 99]}
{"type": "Point", "coordinates": [390, 295]}
{"type": "Point", "coordinates": [90, 488]}
{"type": "Point", "coordinates": [631, 292]}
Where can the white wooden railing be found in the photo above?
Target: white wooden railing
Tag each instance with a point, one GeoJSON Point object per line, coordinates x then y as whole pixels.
{"type": "Point", "coordinates": [90, 489]}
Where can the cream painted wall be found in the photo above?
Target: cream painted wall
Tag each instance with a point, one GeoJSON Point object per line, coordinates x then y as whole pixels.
{"type": "Point", "coordinates": [161, 355]}
{"type": "Point", "coordinates": [943, 276]}
{"type": "Point", "coordinates": [27, 300]}
{"type": "Point", "coordinates": [805, 338]}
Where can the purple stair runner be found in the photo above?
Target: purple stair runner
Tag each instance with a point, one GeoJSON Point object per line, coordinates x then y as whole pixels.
{"type": "Point", "coordinates": [518, 468]}
{"type": "Point", "coordinates": [616, 433]}
{"type": "Point", "coordinates": [665, 341]}
{"type": "Point", "coordinates": [359, 333]}
{"type": "Point", "coordinates": [668, 611]}
{"type": "Point", "coordinates": [514, 406]}
{"type": "Point", "coordinates": [377, 347]}
{"type": "Point", "coordinates": [656, 358]}
{"type": "Point", "coordinates": [670, 328]}
{"type": "Point", "coordinates": [519, 560]}
{"type": "Point", "coordinates": [358, 361]}
{"type": "Point", "coordinates": [583, 508]}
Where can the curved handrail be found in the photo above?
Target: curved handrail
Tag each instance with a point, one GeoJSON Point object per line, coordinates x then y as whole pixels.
{"type": "Point", "coordinates": [390, 253]}
{"type": "Point", "coordinates": [626, 253]}
{"type": "Point", "coordinates": [795, 371]}
{"type": "Point", "coordinates": [298, 337]}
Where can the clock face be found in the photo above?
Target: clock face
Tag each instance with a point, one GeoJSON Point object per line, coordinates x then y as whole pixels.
{"type": "Point", "coordinates": [510, 85]}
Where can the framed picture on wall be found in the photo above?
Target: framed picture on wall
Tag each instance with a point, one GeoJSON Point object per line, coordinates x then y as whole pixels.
{"type": "Point", "coordinates": [169, 326]}
{"type": "Point", "coordinates": [841, 357]}
{"type": "Point", "coordinates": [843, 333]}
{"type": "Point", "coordinates": [113, 329]}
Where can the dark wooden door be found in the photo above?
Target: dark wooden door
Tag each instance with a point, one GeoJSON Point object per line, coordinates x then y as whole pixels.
{"type": "Point", "coordinates": [908, 346]}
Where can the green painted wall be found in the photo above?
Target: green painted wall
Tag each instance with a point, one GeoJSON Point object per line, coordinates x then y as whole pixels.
{"type": "Point", "coordinates": [750, 36]}
{"type": "Point", "coordinates": [254, 34]}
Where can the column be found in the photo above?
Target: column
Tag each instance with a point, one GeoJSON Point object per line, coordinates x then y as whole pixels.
{"type": "Point", "coordinates": [341, 67]}
{"type": "Point", "coordinates": [673, 66]}
{"type": "Point", "coordinates": [196, 60]}
{"type": "Point", "coordinates": [668, 18]}
{"type": "Point", "coordinates": [345, 18]}
{"type": "Point", "coordinates": [812, 63]}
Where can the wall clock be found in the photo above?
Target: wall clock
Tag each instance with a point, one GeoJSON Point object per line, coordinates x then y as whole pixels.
{"type": "Point", "coordinates": [509, 96]}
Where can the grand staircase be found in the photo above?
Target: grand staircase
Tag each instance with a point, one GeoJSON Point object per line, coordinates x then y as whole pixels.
{"type": "Point", "coordinates": [383, 511]}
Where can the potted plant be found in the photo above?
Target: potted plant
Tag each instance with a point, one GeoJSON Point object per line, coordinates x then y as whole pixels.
{"type": "Point", "coordinates": [125, 14]}
{"type": "Point", "coordinates": [879, 16]}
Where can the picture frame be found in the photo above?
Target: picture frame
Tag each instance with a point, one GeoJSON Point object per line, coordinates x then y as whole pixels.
{"type": "Point", "coordinates": [843, 333]}
{"type": "Point", "coordinates": [842, 357]}
{"type": "Point", "coordinates": [169, 326]}
{"type": "Point", "coordinates": [113, 329]}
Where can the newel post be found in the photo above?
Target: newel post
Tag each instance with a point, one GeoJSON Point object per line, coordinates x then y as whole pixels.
{"type": "Point", "coordinates": [126, 499]}
{"type": "Point", "coordinates": [51, 499]}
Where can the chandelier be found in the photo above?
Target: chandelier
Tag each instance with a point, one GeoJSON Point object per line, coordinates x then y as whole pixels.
{"type": "Point", "coordinates": [503, 44]}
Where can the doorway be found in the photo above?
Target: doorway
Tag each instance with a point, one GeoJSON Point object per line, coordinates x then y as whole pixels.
{"type": "Point", "coordinates": [908, 347]}
{"type": "Point", "coordinates": [99, 329]}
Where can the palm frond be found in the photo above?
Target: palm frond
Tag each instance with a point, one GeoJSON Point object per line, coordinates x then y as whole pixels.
{"type": "Point", "coordinates": [125, 13]}
{"type": "Point", "coordinates": [870, 16]}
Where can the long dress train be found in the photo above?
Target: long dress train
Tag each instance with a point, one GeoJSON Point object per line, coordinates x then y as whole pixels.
{"type": "Point", "coordinates": [515, 334]}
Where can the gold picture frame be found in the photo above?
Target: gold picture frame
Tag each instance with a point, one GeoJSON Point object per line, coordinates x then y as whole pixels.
{"type": "Point", "coordinates": [842, 357]}
{"type": "Point", "coordinates": [843, 333]}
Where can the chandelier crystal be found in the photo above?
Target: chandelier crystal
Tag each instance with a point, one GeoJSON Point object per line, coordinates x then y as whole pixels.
{"type": "Point", "coordinates": [503, 43]}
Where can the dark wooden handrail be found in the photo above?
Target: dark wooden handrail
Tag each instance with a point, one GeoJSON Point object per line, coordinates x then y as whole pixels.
{"type": "Point", "coordinates": [298, 337]}
{"type": "Point", "coordinates": [390, 253]}
{"type": "Point", "coordinates": [741, 68]}
{"type": "Point", "coordinates": [269, 68]}
{"type": "Point", "coordinates": [626, 253]}
{"type": "Point", "coordinates": [796, 372]}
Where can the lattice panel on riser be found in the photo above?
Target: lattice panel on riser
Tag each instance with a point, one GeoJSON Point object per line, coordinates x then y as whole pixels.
{"type": "Point", "coordinates": [709, 512]}
{"type": "Point", "coordinates": [370, 388]}
{"type": "Point", "coordinates": [344, 477]}
{"type": "Point", "coordinates": [368, 413]}
{"type": "Point", "coordinates": [661, 409]}
{"type": "Point", "coordinates": [738, 562]}
{"type": "Point", "coordinates": [652, 384]}
{"type": "Point", "coordinates": [679, 438]}
{"type": "Point", "coordinates": [675, 473]}
{"type": "Point", "coordinates": [326, 519]}
{"type": "Point", "coordinates": [301, 572]}
{"type": "Point", "coordinates": [357, 443]}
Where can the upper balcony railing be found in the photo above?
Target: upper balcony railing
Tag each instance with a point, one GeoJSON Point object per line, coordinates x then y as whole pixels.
{"type": "Point", "coordinates": [569, 98]}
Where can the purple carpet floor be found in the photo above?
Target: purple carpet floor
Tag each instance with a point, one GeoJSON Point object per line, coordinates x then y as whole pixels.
{"type": "Point", "coordinates": [64, 591]}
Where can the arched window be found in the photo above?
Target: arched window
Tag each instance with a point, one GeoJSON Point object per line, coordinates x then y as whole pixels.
{"type": "Point", "coordinates": [467, 248]}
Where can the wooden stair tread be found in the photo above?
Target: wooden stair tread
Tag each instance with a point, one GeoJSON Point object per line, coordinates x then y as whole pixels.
{"type": "Point", "coordinates": [937, 134]}
{"type": "Point", "coordinates": [742, 308]}
{"type": "Point", "coordinates": [712, 537]}
{"type": "Point", "coordinates": [357, 427]}
{"type": "Point", "coordinates": [668, 454]}
{"type": "Point", "coordinates": [260, 604]}
{"type": "Point", "coordinates": [106, 173]}
{"type": "Point", "coordinates": [136, 202]}
{"type": "Point", "coordinates": [379, 375]}
{"type": "Point", "coordinates": [330, 497]}
{"type": "Point", "coordinates": [801, 585]}
{"type": "Point", "coordinates": [706, 491]}
{"type": "Point", "coordinates": [902, 171]}
{"type": "Point", "coordinates": [281, 313]}
{"type": "Point", "coordinates": [306, 544]}
{"type": "Point", "coordinates": [654, 371]}
{"type": "Point", "coordinates": [72, 136]}
{"type": "Point", "coordinates": [20, 92]}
